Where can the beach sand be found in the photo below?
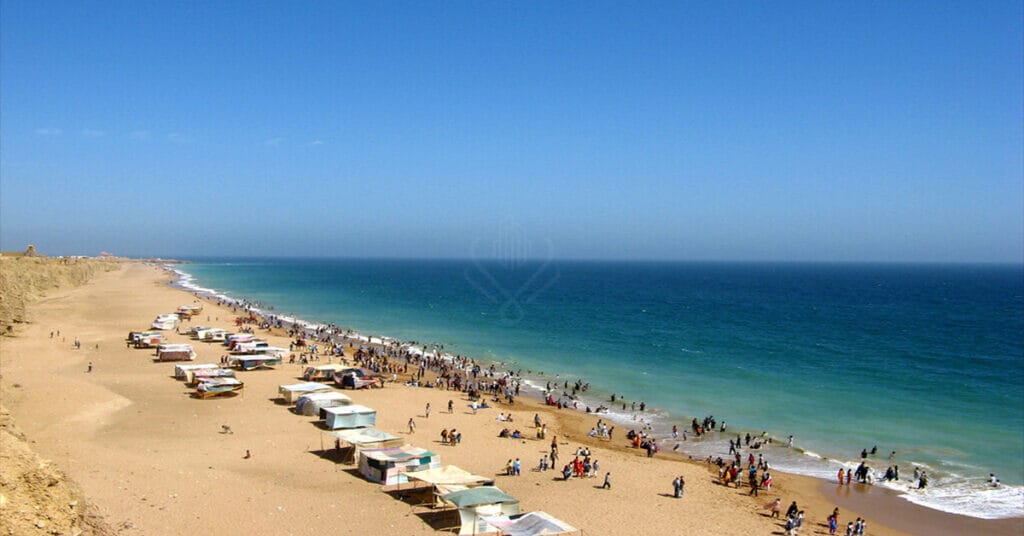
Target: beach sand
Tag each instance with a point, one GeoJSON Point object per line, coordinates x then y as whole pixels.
{"type": "Point", "coordinates": [154, 461]}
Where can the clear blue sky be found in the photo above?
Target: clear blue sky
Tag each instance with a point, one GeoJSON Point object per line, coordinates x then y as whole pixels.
{"type": "Point", "coordinates": [833, 131]}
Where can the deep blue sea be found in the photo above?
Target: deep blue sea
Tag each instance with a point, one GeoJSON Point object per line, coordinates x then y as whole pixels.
{"type": "Point", "coordinates": [924, 360]}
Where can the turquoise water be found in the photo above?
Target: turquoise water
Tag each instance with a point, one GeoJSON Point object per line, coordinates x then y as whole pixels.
{"type": "Point", "coordinates": [925, 360]}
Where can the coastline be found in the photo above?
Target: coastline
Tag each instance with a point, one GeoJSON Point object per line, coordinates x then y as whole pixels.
{"type": "Point", "coordinates": [813, 459]}
{"type": "Point", "coordinates": [140, 437]}
{"type": "Point", "coordinates": [875, 500]}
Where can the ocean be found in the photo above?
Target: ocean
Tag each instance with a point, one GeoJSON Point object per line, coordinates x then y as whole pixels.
{"type": "Point", "coordinates": [923, 360]}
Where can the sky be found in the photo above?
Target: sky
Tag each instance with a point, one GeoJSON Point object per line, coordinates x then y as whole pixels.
{"type": "Point", "coordinates": [782, 131]}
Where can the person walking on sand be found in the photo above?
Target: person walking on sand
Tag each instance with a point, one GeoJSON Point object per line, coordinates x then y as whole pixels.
{"type": "Point", "coordinates": [90, 367]}
{"type": "Point", "coordinates": [775, 507]}
{"type": "Point", "coordinates": [426, 412]}
{"type": "Point", "coordinates": [451, 407]}
{"type": "Point", "coordinates": [607, 481]}
{"type": "Point", "coordinates": [412, 426]}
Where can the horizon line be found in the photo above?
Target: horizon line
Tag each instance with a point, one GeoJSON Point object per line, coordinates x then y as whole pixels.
{"type": "Point", "coordinates": [198, 258]}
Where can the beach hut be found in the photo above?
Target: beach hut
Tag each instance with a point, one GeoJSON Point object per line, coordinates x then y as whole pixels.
{"type": "Point", "coordinates": [391, 465]}
{"type": "Point", "coordinates": [529, 524]}
{"type": "Point", "coordinates": [291, 392]}
{"type": "Point", "coordinates": [348, 416]}
{"type": "Point", "coordinates": [217, 387]}
{"type": "Point", "coordinates": [321, 372]}
{"type": "Point", "coordinates": [444, 480]}
{"type": "Point", "coordinates": [165, 322]}
{"type": "Point", "coordinates": [146, 339]}
{"type": "Point", "coordinates": [310, 404]}
{"type": "Point", "coordinates": [181, 371]}
{"type": "Point", "coordinates": [450, 475]}
{"type": "Point", "coordinates": [187, 311]}
{"type": "Point", "coordinates": [231, 340]}
{"type": "Point", "coordinates": [175, 352]}
{"type": "Point", "coordinates": [198, 376]}
{"type": "Point", "coordinates": [360, 439]}
{"type": "Point", "coordinates": [479, 502]}
{"type": "Point", "coordinates": [194, 331]}
{"type": "Point", "coordinates": [215, 334]}
{"type": "Point", "coordinates": [248, 347]}
{"type": "Point", "coordinates": [355, 378]}
{"type": "Point", "coordinates": [253, 362]}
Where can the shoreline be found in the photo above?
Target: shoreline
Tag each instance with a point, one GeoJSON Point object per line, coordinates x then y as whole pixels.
{"type": "Point", "coordinates": [660, 421]}
{"type": "Point", "coordinates": [151, 456]}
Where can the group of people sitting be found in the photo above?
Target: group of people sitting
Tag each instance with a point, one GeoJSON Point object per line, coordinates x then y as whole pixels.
{"type": "Point", "coordinates": [580, 468]}
{"type": "Point", "coordinates": [451, 437]}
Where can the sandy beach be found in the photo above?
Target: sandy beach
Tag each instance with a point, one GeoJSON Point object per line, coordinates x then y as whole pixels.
{"type": "Point", "coordinates": [154, 460]}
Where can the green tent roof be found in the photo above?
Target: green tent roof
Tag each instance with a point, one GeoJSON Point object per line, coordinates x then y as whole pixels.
{"type": "Point", "coordinates": [477, 496]}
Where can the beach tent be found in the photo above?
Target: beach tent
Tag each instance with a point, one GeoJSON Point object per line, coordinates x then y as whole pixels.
{"type": "Point", "coordinates": [348, 416]}
{"type": "Point", "coordinates": [215, 334]}
{"type": "Point", "coordinates": [312, 403]}
{"type": "Point", "coordinates": [479, 502]}
{"type": "Point", "coordinates": [175, 352]}
{"type": "Point", "coordinates": [449, 475]}
{"type": "Point", "coordinates": [444, 480]}
{"type": "Point", "coordinates": [321, 372]}
{"type": "Point", "coordinates": [202, 375]}
{"type": "Point", "coordinates": [252, 362]}
{"type": "Point", "coordinates": [181, 371]}
{"type": "Point", "coordinates": [529, 524]}
{"type": "Point", "coordinates": [364, 438]}
{"type": "Point", "coordinates": [391, 465]}
{"type": "Point", "coordinates": [291, 392]}
{"type": "Point", "coordinates": [355, 378]}
{"type": "Point", "coordinates": [218, 386]}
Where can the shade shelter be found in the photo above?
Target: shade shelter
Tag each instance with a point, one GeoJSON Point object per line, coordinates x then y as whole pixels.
{"type": "Point", "coordinates": [312, 403]}
{"type": "Point", "coordinates": [479, 502]}
{"type": "Point", "coordinates": [359, 439]}
{"type": "Point", "coordinates": [253, 362]}
{"type": "Point", "coordinates": [351, 416]}
{"type": "Point", "coordinates": [181, 371]}
{"type": "Point", "coordinates": [291, 392]}
{"type": "Point", "coordinates": [321, 372]}
{"type": "Point", "coordinates": [529, 524]}
{"type": "Point", "coordinates": [391, 465]}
